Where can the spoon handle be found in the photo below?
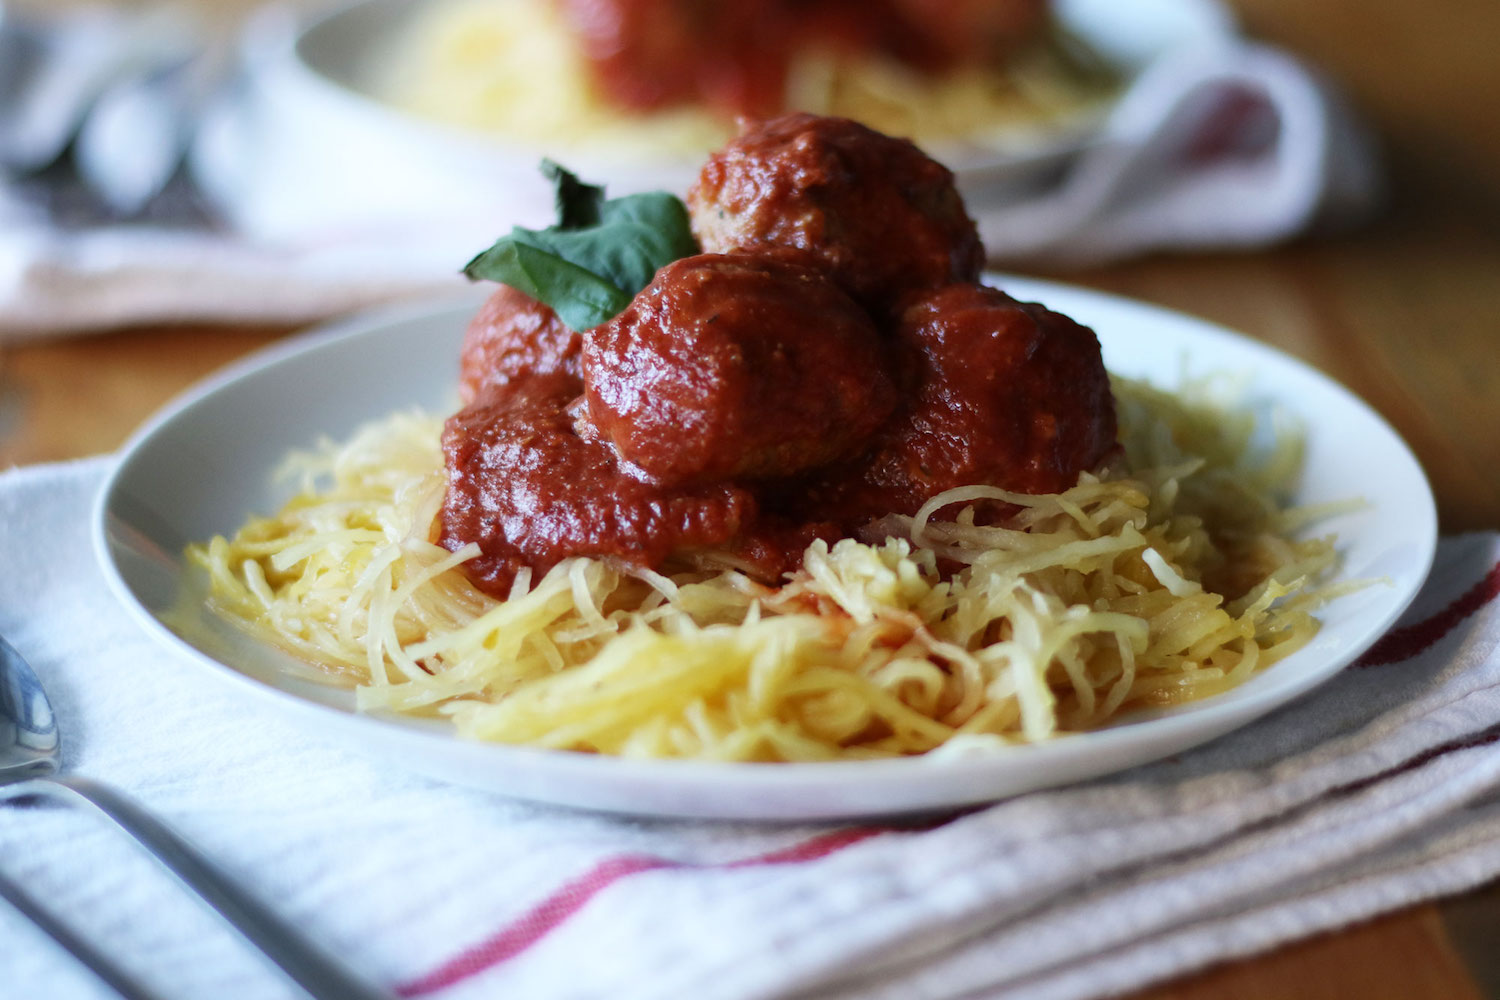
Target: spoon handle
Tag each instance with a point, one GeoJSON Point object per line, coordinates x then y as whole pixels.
{"type": "Point", "coordinates": [320, 974]}
{"type": "Point", "coordinates": [97, 962]}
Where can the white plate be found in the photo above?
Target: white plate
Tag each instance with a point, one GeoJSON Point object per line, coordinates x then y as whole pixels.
{"type": "Point", "coordinates": [310, 148]}
{"type": "Point", "coordinates": [203, 465]}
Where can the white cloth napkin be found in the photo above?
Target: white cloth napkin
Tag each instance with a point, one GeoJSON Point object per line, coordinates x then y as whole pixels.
{"type": "Point", "coordinates": [1380, 789]}
{"type": "Point", "coordinates": [1219, 144]}
{"type": "Point", "coordinates": [1224, 145]}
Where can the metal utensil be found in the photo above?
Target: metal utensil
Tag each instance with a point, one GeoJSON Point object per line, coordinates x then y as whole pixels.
{"type": "Point", "coordinates": [30, 764]}
{"type": "Point", "coordinates": [122, 982]}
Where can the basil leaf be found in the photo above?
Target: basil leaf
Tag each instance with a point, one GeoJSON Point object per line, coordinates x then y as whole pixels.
{"type": "Point", "coordinates": [600, 254]}
{"type": "Point", "coordinates": [580, 297]}
{"type": "Point", "coordinates": [662, 217]}
{"type": "Point", "coordinates": [577, 203]}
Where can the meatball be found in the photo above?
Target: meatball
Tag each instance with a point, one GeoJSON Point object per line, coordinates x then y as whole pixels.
{"type": "Point", "coordinates": [999, 392]}
{"type": "Point", "coordinates": [514, 336]}
{"type": "Point", "coordinates": [876, 211]}
{"type": "Point", "coordinates": [971, 32]}
{"type": "Point", "coordinates": [531, 491]}
{"type": "Point", "coordinates": [650, 54]}
{"type": "Point", "coordinates": [737, 366]}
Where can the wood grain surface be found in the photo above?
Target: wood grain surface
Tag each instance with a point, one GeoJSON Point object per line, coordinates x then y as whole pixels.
{"type": "Point", "coordinates": [1406, 312]}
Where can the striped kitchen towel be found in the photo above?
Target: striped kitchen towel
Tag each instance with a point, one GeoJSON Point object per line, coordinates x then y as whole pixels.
{"type": "Point", "coordinates": [1378, 790]}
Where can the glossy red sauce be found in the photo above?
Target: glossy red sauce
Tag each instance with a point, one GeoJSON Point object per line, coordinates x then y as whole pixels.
{"type": "Point", "coordinates": [532, 490]}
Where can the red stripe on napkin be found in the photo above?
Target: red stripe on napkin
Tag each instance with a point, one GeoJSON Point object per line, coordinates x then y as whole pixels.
{"type": "Point", "coordinates": [1404, 643]}
{"type": "Point", "coordinates": [1468, 741]}
{"type": "Point", "coordinates": [540, 920]}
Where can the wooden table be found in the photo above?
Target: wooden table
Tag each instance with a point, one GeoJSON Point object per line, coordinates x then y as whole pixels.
{"type": "Point", "coordinates": [1406, 313]}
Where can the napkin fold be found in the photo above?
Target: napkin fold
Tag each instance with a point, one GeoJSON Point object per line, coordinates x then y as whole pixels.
{"type": "Point", "coordinates": [1379, 789]}
{"type": "Point", "coordinates": [1226, 145]}
{"type": "Point", "coordinates": [1222, 143]}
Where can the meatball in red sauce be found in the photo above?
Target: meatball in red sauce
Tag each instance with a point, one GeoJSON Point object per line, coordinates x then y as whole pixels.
{"type": "Point", "coordinates": [971, 32]}
{"type": "Point", "coordinates": [737, 366]}
{"type": "Point", "coordinates": [877, 212]}
{"type": "Point", "coordinates": [514, 336]}
{"type": "Point", "coordinates": [997, 392]}
{"type": "Point", "coordinates": [648, 54]}
{"type": "Point", "coordinates": [526, 486]}
{"type": "Point", "coordinates": [830, 361]}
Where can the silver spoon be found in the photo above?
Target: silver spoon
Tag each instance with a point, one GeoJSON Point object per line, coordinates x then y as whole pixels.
{"type": "Point", "coordinates": [30, 764]}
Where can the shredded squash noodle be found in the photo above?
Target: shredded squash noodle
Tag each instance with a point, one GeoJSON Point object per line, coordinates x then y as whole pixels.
{"type": "Point", "coordinates": [1174, 577]}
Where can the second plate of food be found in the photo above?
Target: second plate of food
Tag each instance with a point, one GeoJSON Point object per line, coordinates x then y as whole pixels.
{"type": "Point", "coordinates": [419, 116]}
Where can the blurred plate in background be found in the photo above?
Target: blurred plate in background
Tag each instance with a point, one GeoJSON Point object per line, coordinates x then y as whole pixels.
{"type": "Point", "coordinates": [311, 147]}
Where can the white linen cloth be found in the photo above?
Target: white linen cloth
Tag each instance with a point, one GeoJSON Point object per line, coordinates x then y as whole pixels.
{"type": "Point", "coordinates": [1223, 144]}
{"type": "Point", "coordinates": [1380, 789]}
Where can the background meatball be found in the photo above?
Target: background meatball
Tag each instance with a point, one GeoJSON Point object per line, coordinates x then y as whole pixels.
{"type": "Point", "coordinates": [970, 32]}
{"type": "Point", "coordinates": [648, 54]}
{"type": "Point", "coordinates": [513, 336]}
{"type": "Point", "coordinates": [736, 366]}
{"type": "Point", "coordinates": [998, 392]}
{"type": "Point", "coordinates": [882, 216]}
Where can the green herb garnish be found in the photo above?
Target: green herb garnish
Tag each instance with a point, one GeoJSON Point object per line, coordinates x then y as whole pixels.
{"type": "Point", "coordinates": [601, 252]}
